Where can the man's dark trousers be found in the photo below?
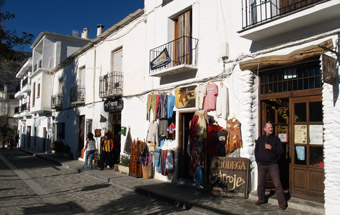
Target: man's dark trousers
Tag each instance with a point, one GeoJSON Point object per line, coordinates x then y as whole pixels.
{"type": "Point", "coordinates": [274, 172]}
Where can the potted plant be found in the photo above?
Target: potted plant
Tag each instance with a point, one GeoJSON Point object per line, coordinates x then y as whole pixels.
{"type": "Point", "coordinates": [124, 163]}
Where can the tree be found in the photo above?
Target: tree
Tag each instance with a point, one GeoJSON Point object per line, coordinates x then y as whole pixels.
{"type": "Point", "coordinates": [9, 38]}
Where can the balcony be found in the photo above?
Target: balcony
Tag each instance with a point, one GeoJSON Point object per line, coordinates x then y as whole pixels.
{"type": "Point", "coordinates": [26, 85]}
{"type": "Point", "coordinates": [56, 101]}
{"type": "Point", "coordinates": [262, 19]}
{"type": "Point", "coordinates": [111, 85]}
{"type": "Point", "coordinates": [77, 95]}
{"type": "Point", "coordinates": [177, 56]}
{"type": "Point", "coordinates": [25, 107]}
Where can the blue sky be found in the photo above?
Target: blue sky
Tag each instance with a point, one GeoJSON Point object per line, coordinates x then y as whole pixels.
{"type": "Point", "coordinates": [63, 16]}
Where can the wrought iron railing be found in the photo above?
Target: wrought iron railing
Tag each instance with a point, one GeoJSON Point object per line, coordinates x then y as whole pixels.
{"type": "Point", "coordinates": [111, 84]}
{"type": "Point", "coordinates": [255, 12]}
{"type": "Point", "coordinates": [56, 101]}
{"type": "Point", "coordinates": [77, 94]}
{"type": "Point", "coordinates": [24, 82]}
{"type": "Point", "coordinates": [177, 52]}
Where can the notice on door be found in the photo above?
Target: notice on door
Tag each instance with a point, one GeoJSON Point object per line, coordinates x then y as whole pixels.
{"type": "Point", "coordinates": [315, 134]}
{"type": "Point", "coordinates": [229, 177]}
{"type": "Point", "coordinates": [300, 134]}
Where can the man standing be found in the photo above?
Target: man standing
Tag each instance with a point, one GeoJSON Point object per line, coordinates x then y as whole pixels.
{"type": "Point", "coordinates": [268, 147]}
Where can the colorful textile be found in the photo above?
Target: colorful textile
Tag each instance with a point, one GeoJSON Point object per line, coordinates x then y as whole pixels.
{"type": "Point", "coordinates": [162, 105]}
{"type": "Point", "coordinates": [108, 145]}
{"type": "Point", "coordinates": [170, 105]}
{"type": "Point", "coordinates": [210, 98]}
{"type": "Point", "coordinates": [234, 139]}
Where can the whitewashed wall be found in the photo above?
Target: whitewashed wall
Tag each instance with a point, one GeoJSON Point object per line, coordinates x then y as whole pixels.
{"type": "Point", "coordinates": [331, 116]}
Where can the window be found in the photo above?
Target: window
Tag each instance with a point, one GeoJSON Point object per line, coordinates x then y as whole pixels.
{"type": "Point", "coordinates": [81, 77]}
{"type": "Point", "coordinates": [33, 96]}
{"type": "Point", "coordinates": [300, 77]}
{"type": "Point", "coordinates": [38, 91]}
{"type": "Point", "coordinates": [117, 60]}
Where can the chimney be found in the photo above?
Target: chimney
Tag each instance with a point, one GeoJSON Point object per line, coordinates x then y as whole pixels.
{"type": "Point", "coordinates": [85, 33]}
{"type": "Point", "coordinates": [99, 29]}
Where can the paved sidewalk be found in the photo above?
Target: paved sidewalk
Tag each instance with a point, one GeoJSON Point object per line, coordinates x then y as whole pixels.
{"type": "Point", "coordinates": [186, 196]}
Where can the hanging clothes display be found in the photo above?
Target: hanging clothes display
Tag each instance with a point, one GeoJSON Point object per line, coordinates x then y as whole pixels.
{"type": "Point", "coordinates": [171, 129]}
{"type": "Point", "coordinates": [210, 98]}
{"type": "Point", "coordinates": [221, 141]}
{"type": "Point", "coordinates": [163, 128]}
{"type": "Point", "coordinates": [197, 135]}
{"type": "Point", "coordinates": [170, 105]}
{"type": "Point", "coordinates": [135, 167]}
{"type": "Point", "coordinates": [152, 133]}
{"type": "Point", "coordinates": [222, 103]}
{"type": "Point", "coordinates": [162, 105]}
{"type": "Point", "coordinates": [210, 144]}
{"type": "Point", "coordinates": [200, 93]}
{"type": "Point", "coordinates": [151, 104]}
{"type": "Point", "coordinates": [234, 140]}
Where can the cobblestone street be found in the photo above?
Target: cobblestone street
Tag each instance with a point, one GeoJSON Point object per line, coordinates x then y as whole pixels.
{"type": "Point", "coordinates": [29, 185]}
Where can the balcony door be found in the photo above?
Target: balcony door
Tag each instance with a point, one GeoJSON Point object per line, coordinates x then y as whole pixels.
{"type": "Point", "coordinates": [182, 44]}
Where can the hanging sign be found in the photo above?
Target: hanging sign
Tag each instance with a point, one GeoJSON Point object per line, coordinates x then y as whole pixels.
{"type": "Point", "coordinates": [161, 60]}
{"type": "Point", "coordinates": [113, 105]}
{"type": "Point", "coordinates": [229, 176]}
{"type": "Point", "coordinates": [329, 69]}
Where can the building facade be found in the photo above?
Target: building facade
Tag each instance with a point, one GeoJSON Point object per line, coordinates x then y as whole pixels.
{"type": "Point", "coordinates": [273, 61]}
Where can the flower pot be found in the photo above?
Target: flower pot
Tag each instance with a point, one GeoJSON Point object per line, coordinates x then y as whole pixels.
{"type": "Point", "coordinates": [123, 169]}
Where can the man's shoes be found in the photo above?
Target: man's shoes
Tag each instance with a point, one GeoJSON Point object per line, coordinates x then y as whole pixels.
{"type": "Point", "coordinates": [258, 202]}
{"type": "Point", "coordinates": [282, 206]}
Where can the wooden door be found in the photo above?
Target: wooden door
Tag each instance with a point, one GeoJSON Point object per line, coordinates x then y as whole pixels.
{"type": "Point", "coordinates": [182, 43]}
{"type": "Point", "coordinates": [307, 178]}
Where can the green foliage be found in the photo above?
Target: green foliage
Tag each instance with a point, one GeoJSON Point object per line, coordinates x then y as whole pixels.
{"type": "Point", "coordinates": [124, 160]}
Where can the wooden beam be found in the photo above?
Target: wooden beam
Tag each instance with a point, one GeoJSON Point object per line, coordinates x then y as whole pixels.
{"type": "Point", "coordinates": [281, 60]}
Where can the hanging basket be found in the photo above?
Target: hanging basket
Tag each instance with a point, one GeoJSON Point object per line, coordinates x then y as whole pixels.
{"type": "Point", "coordinates": [146, 172]}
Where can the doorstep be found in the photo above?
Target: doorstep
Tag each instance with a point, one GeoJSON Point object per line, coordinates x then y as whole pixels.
{"type": "Point", "coordinates": [294, 203]}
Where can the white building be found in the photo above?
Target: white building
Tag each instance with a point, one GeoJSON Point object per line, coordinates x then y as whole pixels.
{"type": "Point", "coordinates": [267, 53]}
{"type": "Point", "coordinates": [49, 49]}
{"type": "Point", "coordinates": [96, 76]}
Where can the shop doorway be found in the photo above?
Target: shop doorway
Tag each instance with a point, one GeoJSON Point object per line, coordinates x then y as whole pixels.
{"type": "Point", "coordinates": [291, 98]}
{"type": "Point", "coordinates": [183, 135]}
{"type": "Point", "coordinates": [81, 137]}
{"type": "Point", "coordinates": [115, 129]}
{"type": "Point", "coordinates": [276, 111]}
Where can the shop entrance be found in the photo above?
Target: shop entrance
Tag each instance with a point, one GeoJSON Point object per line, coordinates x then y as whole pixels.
{"type": "Point", "coordinates": [276, 111]}
{"type": "Point", "coordinates": [291, 99]}
{"type": "Point", "coordinates": [183, 136]}
{"type": "Point", "coordinates": [115, 129]}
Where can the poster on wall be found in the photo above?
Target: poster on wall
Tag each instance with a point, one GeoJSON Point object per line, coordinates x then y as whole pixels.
{"type": "Point", "coordinates": [229, 177]}
{"type": "Point", "coordinates": [185, 97]}
{"type": "Point", "coordinates": [283, 137]}
{"type": "Point", "coordinates": [300, 134]}
{"type": "Point", "coordinates": [315, 134]}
